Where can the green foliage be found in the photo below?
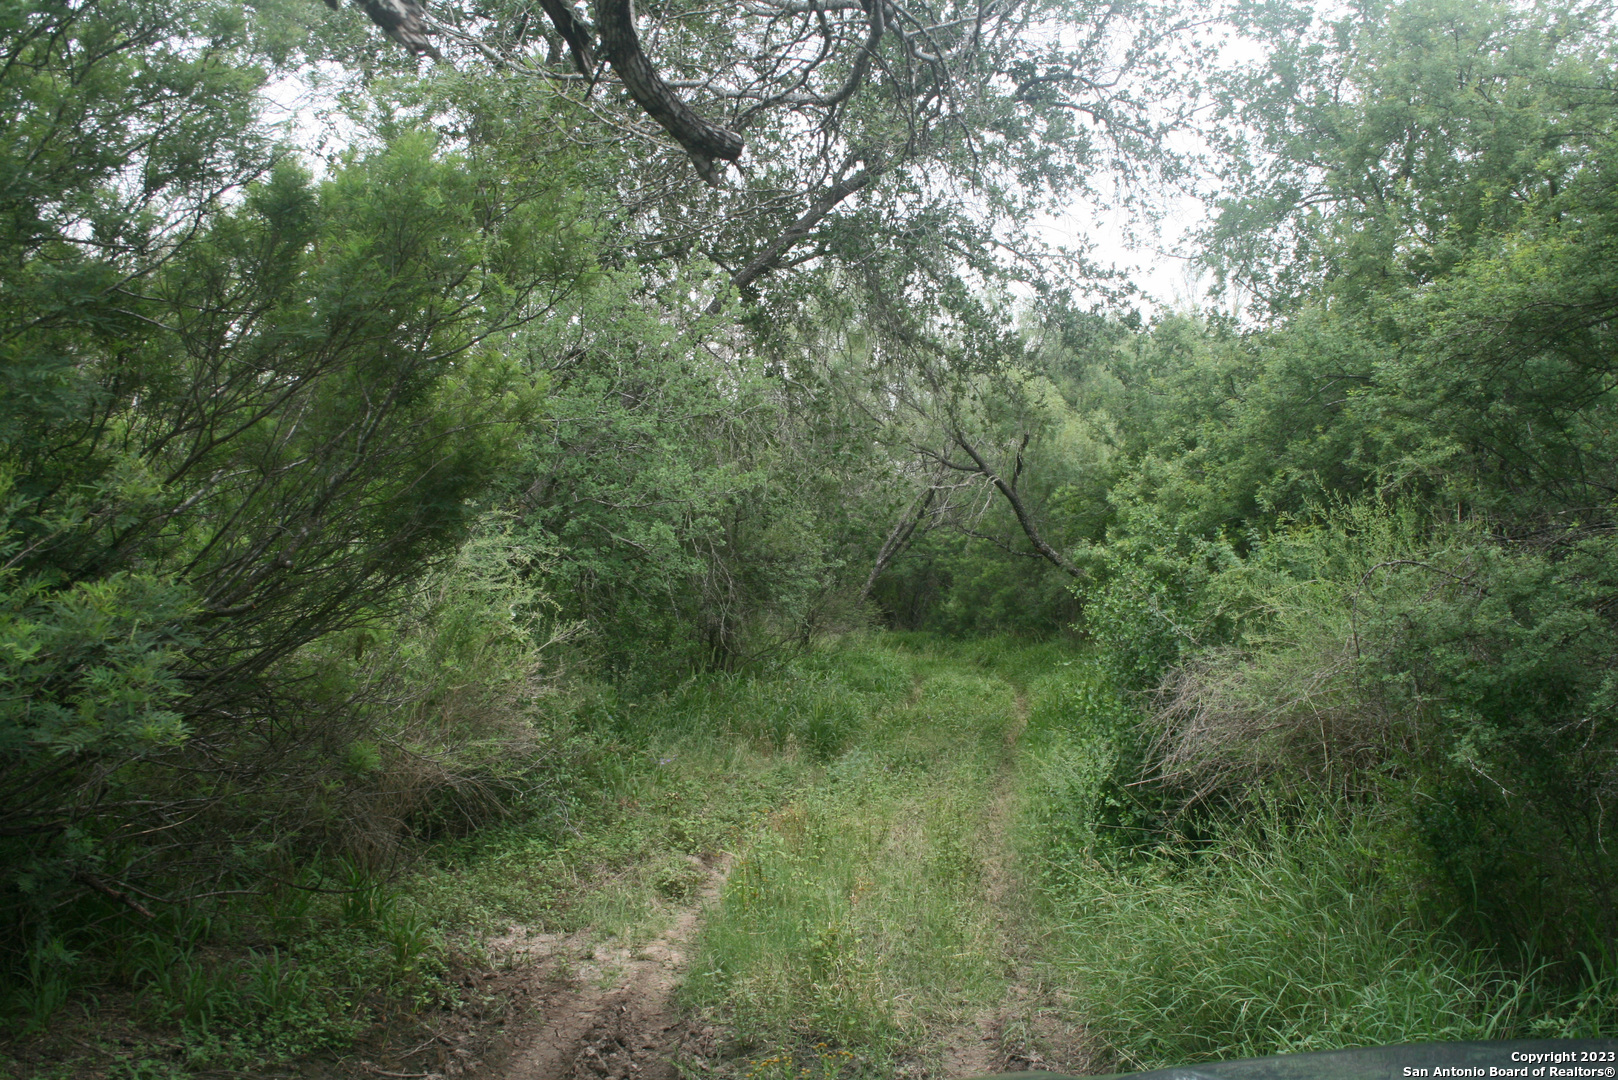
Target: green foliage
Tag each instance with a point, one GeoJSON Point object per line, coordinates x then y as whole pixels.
{"type": "Point", "coordinates": [1296, 926]}
{"type": "Point", "coordinates": [239, 438]}
{"type": "Point", "coordinates": [951, 584]}
{"type": "Point", "coordinates": [1080, 755]}
{"type": "Point", "coordinates": [1273, 942]}
{"type": "Point", "coordinates": [440, 503]}
{"type": "Point", "coordinates": [1358, 558]}
{"type": "Point", "coordinates": [236, 517]}
{"type": "Point", "coordinates": [1372, 655]}
{"type": "Point", "coordinates": [1375, 151]}
{"type": "Point", "coordinates": [691, 528]}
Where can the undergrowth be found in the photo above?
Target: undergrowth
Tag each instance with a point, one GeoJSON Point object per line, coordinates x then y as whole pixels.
{"type": "Point", "coordinates": [1291, 926]}
{"type": "Point", "coordinates": [852, 788]}
{"type": "Point", "coordinates": [344, 949]}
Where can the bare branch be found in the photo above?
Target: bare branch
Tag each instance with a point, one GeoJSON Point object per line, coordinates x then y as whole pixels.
{"type": "Point", "coordinates": [1018, 507]}
{"type": "Point", "coordinates": [706, 142]}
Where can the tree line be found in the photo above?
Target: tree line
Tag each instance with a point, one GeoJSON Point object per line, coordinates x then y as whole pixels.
{"type": "Point", "coordinates": [321, 488]}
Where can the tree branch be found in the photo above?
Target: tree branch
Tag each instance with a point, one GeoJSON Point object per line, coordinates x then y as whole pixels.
{"type": "Point", "coordinates": [898, 539]}
{"type": "Point", "coordinates": [1024, 518]}
{"type": "Point", "coordinates": [767, 259]}
{"type": "Point", "coordinates": [402, 20]}
{"type": "Point", "coordinates": [706, 142]}
{"type": "Point", "coordinates": [576, 32]}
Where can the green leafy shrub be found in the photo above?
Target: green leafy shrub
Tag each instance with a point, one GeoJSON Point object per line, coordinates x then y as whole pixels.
{"type": "Point", "coordinates": [1077, 802]}
{"type": "Point", "coordinates": [1435, 669]}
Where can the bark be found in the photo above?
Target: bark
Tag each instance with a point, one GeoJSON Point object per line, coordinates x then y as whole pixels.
{"type": "Point", "coordinates": [405, 22]}
{"type": "Point", "coordinates": [576, 32]}
{"type": "Point", "coordinates": [862, 62]}
{"type": "Point", "coordinates": [402, 20]}
{"type": "Point", "coordinates": [898, 539]}
{"type": "Point", "coordinates": [706, 142]}
{"type": "Point", "coordinates": [1018, 507]}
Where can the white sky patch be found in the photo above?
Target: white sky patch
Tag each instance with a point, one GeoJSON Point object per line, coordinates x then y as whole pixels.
{"type": "Point", "coordinates": [304, 104]}
{"type": "Point", "coordinates": [1161, 257]}
{"type": "Point", "coordinates": [1161, 267]}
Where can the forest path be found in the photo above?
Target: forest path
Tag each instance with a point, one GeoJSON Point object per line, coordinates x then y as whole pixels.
{"type": "Point", "coordinates": [976, 1048]}
{"type": "Point", "coordinates": [872, 923]}
{"type": "Point", "coordinates": [601, 1010]}
{"type": "Point", "coordinates": [1029, 1028]}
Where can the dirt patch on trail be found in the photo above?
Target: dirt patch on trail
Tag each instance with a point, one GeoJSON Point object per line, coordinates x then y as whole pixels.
{"type": "Point", "coordinates": [597, 1012]}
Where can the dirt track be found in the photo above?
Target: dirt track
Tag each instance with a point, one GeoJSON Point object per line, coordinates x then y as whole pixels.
{"type": "Point", "coordinates": [580, 1009]}
{"type": "Point", "coordinates": [608, 1014]}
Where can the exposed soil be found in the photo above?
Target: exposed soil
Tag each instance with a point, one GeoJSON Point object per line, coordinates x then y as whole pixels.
{"type": "Point", "coordinates": [601, 1013]}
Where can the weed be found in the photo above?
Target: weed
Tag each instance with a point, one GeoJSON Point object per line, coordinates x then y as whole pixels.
{"type": "Point", "coordinates": [47, 983]}
{"type": "Point", "coordinates": [678, 878]}
{"type": "Point", "coordinates": [367, 899]}
{"type": "Point", "coordinates": [275, 984]}
{"type": "Point", "coordinates": [1269, 945]}
{"type": "Point", "coordinates": [413, 940]}
{"type": "Point", "coordinates": [147, 1069]}
{"type": "Point", "coordinates": [856, 919]}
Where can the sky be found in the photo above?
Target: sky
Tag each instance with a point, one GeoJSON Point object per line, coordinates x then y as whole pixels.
{"type": "Point", "coordinates": [1167, 279]}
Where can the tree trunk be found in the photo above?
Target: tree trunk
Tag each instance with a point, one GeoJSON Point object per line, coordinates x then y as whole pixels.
{"type": "Point", "coordinates": [898, 539]}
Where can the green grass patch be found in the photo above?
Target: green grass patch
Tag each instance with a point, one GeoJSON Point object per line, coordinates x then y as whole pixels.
{"type": "Point", "coordinates": [852, 789]}
{"type": "Point", "coordinates": [1268, 945]}
{"type": "Point", "coordinates": [855, 921]}
{"type": "Point", "coordinates": [1288, 928]}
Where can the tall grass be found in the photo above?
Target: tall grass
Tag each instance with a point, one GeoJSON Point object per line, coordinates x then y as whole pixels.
{"type": "Point", "coordinates": [652, 782]}
{"type": "Point", "coordinates": [852, 788]}
{"type": "Point", "coordinates": [1289, 926]}
{"type": "Point", "coordinates": [1266, 944]}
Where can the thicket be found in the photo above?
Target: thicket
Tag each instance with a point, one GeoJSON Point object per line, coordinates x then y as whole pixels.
{"type": "Point", "coordinates": [340, 505]}
{"type": "Point", "coordinates": [247, 417]}
{"type": "Point", "coordinates": [1352, 595]}
{"type": "Point", "coordinates": [324, 484]}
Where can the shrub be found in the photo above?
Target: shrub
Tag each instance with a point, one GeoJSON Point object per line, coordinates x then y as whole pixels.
{"type": "Point", "coordinates": [1462, 677]}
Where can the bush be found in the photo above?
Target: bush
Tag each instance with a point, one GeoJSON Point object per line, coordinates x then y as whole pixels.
{"type": "Point", "coordinates": [1465, 678]}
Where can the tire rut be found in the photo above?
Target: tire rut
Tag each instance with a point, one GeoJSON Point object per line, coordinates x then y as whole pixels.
{"type": "Point", "coordinates": [587, 1026]}
{"type": "Point", "coordinates": [1026, 1031]}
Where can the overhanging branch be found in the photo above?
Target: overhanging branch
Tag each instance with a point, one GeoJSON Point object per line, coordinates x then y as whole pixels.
{"type": "Point", "coordinates": [706, 142]}
{"type": "Point", "coordinates": [1018, 507]}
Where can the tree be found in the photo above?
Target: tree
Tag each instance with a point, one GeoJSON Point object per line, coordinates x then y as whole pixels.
{"type": "Point", "coordinates": [233, 427]}
{"type": "Point", "coordinates": [866, 126]}
{"type": "Point", "coordinates": [1370, 154]}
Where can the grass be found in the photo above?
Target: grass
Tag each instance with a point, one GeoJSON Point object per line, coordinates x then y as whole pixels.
{"type": "Point", "coordinates": [343, 952]}
{"type": "Point", "coordinates": [856, 919]}
{"type": "Point", "coordinates": [219, 994]}
{"type": "Point", "coordinates": [1269, 947]}
{"type": "Point", "coordinates": [1294, 928]}
{"type": "Point", "coordinates": [852, 789]}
